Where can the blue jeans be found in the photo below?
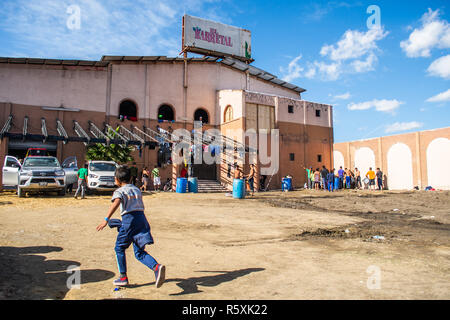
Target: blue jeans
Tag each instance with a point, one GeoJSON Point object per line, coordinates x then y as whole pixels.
{"type": "Point", "coordinates": [324, 183]}
{"type": "Point", "coordinates": [336, 183]}
{"type": "Point", "coordinates": [330, 186]}
{"type": "Point", "coordinates": [347, 182]}
{"type": "Point", "coordinates": [81, 186]}
{"type": "Point", "coordinates": [135, 229]}
{"type": "Point", "coordinates": [380, 183]}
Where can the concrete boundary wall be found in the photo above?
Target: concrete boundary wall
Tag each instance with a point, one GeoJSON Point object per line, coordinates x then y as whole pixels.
{"type": "Point", "coordinates": [423, 155]}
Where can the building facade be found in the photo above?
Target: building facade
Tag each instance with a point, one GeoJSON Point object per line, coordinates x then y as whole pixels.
{"type": "Point", "coordinates": [167, 92]}
{"type": "Point", "coordinates": [417, 159]}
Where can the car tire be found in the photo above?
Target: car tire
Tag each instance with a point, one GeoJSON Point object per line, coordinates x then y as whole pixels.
{"type": "Point", "coordinates": [20, 193]}
{"type": "Point", "coordinates": [62, 192]}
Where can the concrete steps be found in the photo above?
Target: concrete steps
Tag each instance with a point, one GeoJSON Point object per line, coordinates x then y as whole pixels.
{"type": "Point", "coordinates": [210, 186]}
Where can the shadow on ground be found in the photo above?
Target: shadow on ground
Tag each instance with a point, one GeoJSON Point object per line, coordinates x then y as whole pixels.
{"type": "Point", "coordinates": [27, 274]}
{"type": "Point", "coordinates": [190, 285]}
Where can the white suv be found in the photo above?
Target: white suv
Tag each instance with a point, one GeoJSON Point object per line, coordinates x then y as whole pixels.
{"type": "Point", "coordinates": [101, 175]}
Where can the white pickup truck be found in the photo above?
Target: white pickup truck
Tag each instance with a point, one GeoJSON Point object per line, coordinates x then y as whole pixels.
{"type": "Point", "coordinates": [41, 174]}
{"type": "Point", "coordinates": [12, 168]}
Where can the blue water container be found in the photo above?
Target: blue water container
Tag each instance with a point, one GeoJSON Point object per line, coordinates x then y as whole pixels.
{"type": "Point", "coordinates": [238, 188]}
{"type": "Point", "coordinates": [181, 185]}
{"type": "Point", "coordinates": [193, 185]}
{"type": "Point", "coordinates": [286, 184]}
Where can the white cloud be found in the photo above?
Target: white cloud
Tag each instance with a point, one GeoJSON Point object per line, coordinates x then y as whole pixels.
{"type": "Point", "coordinates": [440, 67]}
{"type": "Point", "coordinates": [403, 126]}
{"type": "Point", "coordinates": [327, 71]}
{"type": "Point", "coordinates": [360, 66]}
{"type": "Point", "coordinates": [354, 44]}
{"type": "Point", "coordinates": [293, 70]}
{"type": "Point", "coordinates": [379, 105]}
{"type": "Point", "coordinates": [434, 33]}
{"type": "Point", "coordinates": [344, 96]}
{"type": "Point", "coordinates": [441, 97]}
{"type": "Point", "coordinates": [355, 52]}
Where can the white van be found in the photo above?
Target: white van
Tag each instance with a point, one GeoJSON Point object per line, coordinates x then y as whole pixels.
{"type": "Point", "coordinates": [101, 175]}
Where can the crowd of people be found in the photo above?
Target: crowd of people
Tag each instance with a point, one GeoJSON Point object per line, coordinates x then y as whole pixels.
{"type": "Point", "coordinates": [333, 180]}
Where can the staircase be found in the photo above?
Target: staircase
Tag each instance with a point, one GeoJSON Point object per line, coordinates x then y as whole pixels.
{"type": "Point", "coordinates": [210, 186]}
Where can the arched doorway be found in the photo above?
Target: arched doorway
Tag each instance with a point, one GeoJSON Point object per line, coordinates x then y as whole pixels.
{"type": "Point", "coordinates": [364, 159]}
{"type": "Point", "coordinates": [338, 159]}
{"type": "Point", "coordinates": [128, 110]}
{"type": "Point", "coordinates": [166, 113]}
{"type": "Point", "coordinates": [438, 158]}
{"type": "Point", "coordinates": [201, 115]}
{"type": "Point", "coordinates": [399, 165]}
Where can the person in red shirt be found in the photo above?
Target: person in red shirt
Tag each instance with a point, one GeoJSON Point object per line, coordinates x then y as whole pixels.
{"type": "Point", "coordinates": [183, 173]}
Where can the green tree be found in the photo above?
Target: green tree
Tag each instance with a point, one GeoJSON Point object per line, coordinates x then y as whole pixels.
{"type": "Point", "coordinates": [114, 152]}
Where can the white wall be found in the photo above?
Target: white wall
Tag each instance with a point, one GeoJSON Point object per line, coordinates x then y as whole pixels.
{"type": "Point", "coordinates": [399, 165]}
{"type": "Point", "coordinates": [364, 158]}
{"type": "Point", "coordinates": [438, 161]}
{"type": "Point", "coordinates": [338, 160]}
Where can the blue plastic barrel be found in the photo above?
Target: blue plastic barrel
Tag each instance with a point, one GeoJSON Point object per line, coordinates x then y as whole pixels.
{"type": "Point", "coordinates": [193, 185]}
{"type": "Point", "coordinates": [181, 185]}
{"type": "Point", "coordinates": [238, 188]}
{"type": "Point", "coordinates": [286, 184]}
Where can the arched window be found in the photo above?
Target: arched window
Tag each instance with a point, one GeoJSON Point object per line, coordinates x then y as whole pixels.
{"type": "Point", "coordinates": [228, 114]}
{"type": "Point", "coordinates": [128, 110]}
{"type": "Point", "coordinates": [165, 112]}
{"type": "Point", "coordinates": [201, 115]}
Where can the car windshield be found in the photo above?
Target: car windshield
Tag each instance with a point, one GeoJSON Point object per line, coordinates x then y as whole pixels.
{"type": "Point", "coordinates": [41, 162]}
{"type": "Point", "coordinates": [102, 167]}
{"type": "Point", "coordinates": [37, 152]}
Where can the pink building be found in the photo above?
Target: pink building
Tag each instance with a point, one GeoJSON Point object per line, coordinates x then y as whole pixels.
{"type": "Point", "coordinates": [151, 91]}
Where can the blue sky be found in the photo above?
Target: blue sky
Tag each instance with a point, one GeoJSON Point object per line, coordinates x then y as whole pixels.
{"type": "Point", "coordinates": [385, 79]}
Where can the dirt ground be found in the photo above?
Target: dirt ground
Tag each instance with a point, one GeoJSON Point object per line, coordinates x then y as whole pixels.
{"type": "Point", "coordinates": [293, 245]}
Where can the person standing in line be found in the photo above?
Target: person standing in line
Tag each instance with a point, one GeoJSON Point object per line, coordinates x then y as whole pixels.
{"type": "Point", "coordinates": [341, 177]}
{"type": "Point", "coordinates": [324, 174]}
{"type": "Point", "coordinates": [308, 176]}
{"type": "Point", "coordinates": [330, 180]}
{"type": "Point", "coordinates": [371, 175]}
{"type": "Point", "coordinates": [348, 178]}
{"type": "Point", "coordinates": [379, 175]}
{"type": "Point", "coordinates": [82, 181]}
{"type": "Point", "coordinates": [317, 179]}
{"type": "Point", "coordinates": [145, 179]}
{"type": "Point", "coordinates": [352, 179]}
{"type": "Point", "coordinates": [336, 181]}
{"type": "Point", "coordinates": [156, 178]}
{"type": "Point", "coordinates": [358, 184]}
